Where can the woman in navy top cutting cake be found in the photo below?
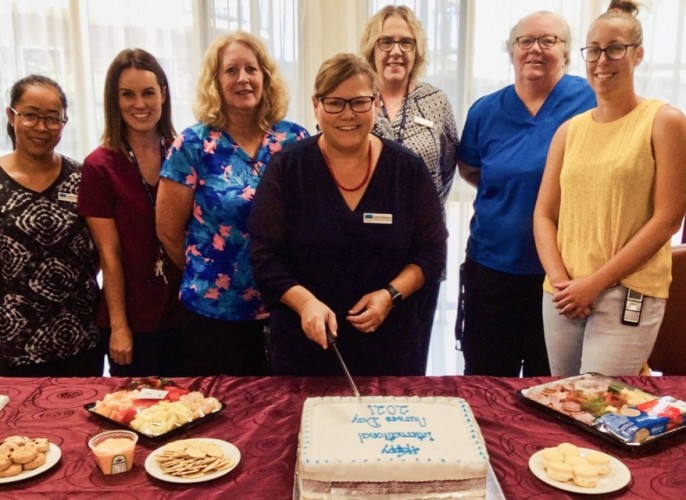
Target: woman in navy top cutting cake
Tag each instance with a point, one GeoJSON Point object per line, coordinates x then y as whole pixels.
{"type": "Point", "coordinates": [345, 227]}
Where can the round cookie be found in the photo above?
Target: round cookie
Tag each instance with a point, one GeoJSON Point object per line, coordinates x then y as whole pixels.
{"type": "Point", "coordinates": [16, 439]}
{"type": "Point", "coordinates": [600, 461]}
{"type": "Point", "coordinates": [7, 448]}
{"type": "Point", "coordinates": [585, 475]}
{"type": "Point", "coordinates": [560, 471]}
{"type": "Point", "coordinates": [568, 449]}
{"type": "Point", "coordinates": [551, 455]}
{"type": "Point", "coordinates": [36, 462]}
{"type": "Point", "coordinates": [12, 470]}
{"type": "Point", "coordinates": [42, 444]}
{"type": "Point", "coordinates": [575, 459]}
{"type": "Point", "coordinates": [5, 462]}
{"type": "Point", "coordinates": [23, 453]}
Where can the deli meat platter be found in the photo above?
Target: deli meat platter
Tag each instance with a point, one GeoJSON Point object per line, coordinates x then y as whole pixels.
{"type": "Point", "coordinates": [619, 412]}
{"type": "Point", "coordinates": [154, 408]}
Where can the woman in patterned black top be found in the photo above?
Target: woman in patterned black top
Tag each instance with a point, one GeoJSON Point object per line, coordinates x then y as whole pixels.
{"type": "Point", "coordinates": [415, 114]}
{"type": "Point", "coordinates": [48, 288]}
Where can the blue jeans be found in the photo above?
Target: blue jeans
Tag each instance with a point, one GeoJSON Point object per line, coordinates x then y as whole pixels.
{"type": "Point", "coordinates": [601, 342]}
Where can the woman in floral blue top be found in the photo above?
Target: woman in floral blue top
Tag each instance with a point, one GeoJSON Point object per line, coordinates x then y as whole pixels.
{"type": "Point", "coordinates": [207, 185]}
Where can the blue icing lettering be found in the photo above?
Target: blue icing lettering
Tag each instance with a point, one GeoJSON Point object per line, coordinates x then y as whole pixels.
{"type": "Point", "coordinates": [399, 450]}
{"type": "Point", "coordinates": [392, 436]}
{"type": "Point", "coordinates": [420, 420]}
{"type": "Point", "coordinates": [371, 421]}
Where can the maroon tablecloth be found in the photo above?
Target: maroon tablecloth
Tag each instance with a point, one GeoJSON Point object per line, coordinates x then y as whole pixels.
{"type": "Point", "coordinates": [262, 417]}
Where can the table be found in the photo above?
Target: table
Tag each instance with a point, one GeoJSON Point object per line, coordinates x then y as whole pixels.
{"type": "Point", "coordinates": [262, 418]}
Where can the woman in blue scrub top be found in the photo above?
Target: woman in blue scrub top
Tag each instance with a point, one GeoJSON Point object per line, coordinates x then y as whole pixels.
{"type": "Point", "coordinates": [502, 153]}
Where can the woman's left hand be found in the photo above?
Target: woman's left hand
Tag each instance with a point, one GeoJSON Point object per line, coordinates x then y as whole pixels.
{"type": "Point", "coordinates": [575, 298]}
{"type": "Point", "coordinates": [370, 311]}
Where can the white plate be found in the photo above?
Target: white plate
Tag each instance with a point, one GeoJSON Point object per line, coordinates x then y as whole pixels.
{"type": "Point", "coordinates": [230, 452]}
{"type": "Point", "coordinates": [618, 477]}
{"type": "Point", "coordinates": [52, 456]}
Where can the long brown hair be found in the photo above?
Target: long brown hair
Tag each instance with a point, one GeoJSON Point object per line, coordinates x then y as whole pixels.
{"type": "Point", "coordinates": [115, 126]}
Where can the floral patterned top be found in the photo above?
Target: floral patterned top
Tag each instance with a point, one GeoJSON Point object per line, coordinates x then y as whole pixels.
{"type": "Point", "coordinates": [217, 280]}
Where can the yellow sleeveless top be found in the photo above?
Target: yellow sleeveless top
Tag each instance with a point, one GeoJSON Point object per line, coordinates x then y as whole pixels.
{"type": "Point", "coordinates": [607, 180]}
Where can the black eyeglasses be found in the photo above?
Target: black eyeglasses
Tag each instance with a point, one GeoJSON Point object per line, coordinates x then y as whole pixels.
{"type": "Point", "coordinates": [335, 105]}
{"type": "Point", "coordinates": [614, 52]}
{"type": "Point", "coordinates": [545, 42]}
{"type": "Point", "coordinates": [386, 44]}
{"type": "Point", "coordinates": [30, 119]}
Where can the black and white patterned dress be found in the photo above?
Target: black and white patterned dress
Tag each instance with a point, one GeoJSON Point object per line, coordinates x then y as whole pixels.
{"type": "Point", "coordinates": [48, 267]}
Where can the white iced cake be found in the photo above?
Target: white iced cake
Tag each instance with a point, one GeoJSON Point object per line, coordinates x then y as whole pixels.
{"type": "Point", "coordinates": [404, 447]}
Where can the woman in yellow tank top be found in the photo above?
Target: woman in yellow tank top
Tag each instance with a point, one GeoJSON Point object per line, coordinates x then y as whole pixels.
{"type": "Point", "coordinates": [612, 196]}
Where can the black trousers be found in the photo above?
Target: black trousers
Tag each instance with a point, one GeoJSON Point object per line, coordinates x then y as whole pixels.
{"type": "Point", "coordinates": [503, 325]}
{"type": "Point", "coordinates": [89, 363]}
{"type": "Point", "coordinates": [216, 347]}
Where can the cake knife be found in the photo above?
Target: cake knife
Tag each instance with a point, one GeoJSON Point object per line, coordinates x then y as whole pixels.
{"type": "Point", "coordinates": [332, 342]}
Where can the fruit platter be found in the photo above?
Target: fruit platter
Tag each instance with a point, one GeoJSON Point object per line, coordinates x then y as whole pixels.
{"type": "Point", "coordinates": [154, 407]}
{"type": "Point", "coordinates": [608, 407]}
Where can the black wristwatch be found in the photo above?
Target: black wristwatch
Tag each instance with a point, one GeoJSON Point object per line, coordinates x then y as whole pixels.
{"type": "Point", "coordinates": [396, 296]}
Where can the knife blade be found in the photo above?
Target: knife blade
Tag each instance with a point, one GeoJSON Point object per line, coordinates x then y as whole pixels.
{"type": "Point", "coordinates": [332, 342]}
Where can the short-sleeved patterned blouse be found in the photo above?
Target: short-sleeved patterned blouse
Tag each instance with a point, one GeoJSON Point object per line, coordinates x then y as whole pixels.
{"type": "Point", "coordinates": [48, 268]}
{"type": "Point", "coordinates": [218, 281]}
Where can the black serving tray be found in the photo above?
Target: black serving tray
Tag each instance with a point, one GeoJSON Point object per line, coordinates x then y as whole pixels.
{"type": "Point", "coordinates": [529, 395]}
{"type": "Point", "coordinates": [153, 383]}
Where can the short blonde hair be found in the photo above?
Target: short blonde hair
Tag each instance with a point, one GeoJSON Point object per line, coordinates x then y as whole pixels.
{"type": "Point", "coordinates": [339, 68]}
{"type": "Point", "coordinates": [565, 36]}
{"type": "Point", "coordinates": [208, 105]}
{"type": "Point", "coordinates": [375, 26]}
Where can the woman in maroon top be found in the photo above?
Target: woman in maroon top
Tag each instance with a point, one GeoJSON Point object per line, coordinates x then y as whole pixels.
{"type": "Point", "coordinates": [141, 317]}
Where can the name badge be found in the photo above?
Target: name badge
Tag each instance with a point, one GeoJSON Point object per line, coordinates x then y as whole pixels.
{"type": "Point", "coordinates": [369, 218]}
{"type": "Point", "coordinates": [68, 197]}
{"type": "Point", "coordinates": [423, 121]}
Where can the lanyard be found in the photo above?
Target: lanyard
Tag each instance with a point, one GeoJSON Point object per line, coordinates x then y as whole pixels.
{"type": "Point", "coordinates": [401, 134]}
{"type": "Point", "coordinates": [134, 160]}
{"type": "Point", "coordinates": [160, 262]}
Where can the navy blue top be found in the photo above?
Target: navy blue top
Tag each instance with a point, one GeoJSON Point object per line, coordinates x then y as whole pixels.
{"type": "Point", "coordinates": [303, 232]}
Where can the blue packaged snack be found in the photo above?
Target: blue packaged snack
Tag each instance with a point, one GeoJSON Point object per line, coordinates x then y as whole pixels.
{"type": "Point", "coordinates": [638, 423]}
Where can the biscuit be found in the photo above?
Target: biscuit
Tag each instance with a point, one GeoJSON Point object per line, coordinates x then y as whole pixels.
{"type": "Point", "coordinates": [600, 461]}
{"type": "Point", "coordinates": [12, 470]}
{"type": "Point", "coordinates": [568, 449]}
{"type": "Point", "coordinates": [560, 471]}
{"type": "Point", "coordinates": [575, 459]}
{"type": "Point", "coordinates": [36, 462]}
{"type": "Point", "coordinates": [23, 453]}
{"type": "Point", "coordinates": [585, 475]}
{"type": "Point", "coordinates": [5, 462]}
{"type": "Point", "coordinates": [42, 444]}
{"type": "Point", "coordinates": [16, 439]}
{"type": "Point", "coordinates": [551, 455]}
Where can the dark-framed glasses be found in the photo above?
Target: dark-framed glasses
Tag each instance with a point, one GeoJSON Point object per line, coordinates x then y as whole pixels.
{"type": "Point", "coordinates": [614, 52]}
{"type": "Point", "coordinates": [545, 42]}
{"type": "Point", "coordinates": [31, 118]}
{"type": "Point", "coordinates": [386, 44]}
{"type": "Point", "coordinates": [360, 104]}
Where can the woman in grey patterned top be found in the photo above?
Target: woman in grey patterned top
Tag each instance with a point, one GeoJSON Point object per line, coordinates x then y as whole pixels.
{"type": "Point", "coordinates": [415, 114]}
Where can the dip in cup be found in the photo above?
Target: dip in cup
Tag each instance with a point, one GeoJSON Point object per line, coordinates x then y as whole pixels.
{"type": "Point", "coordinates": [114, 450]}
